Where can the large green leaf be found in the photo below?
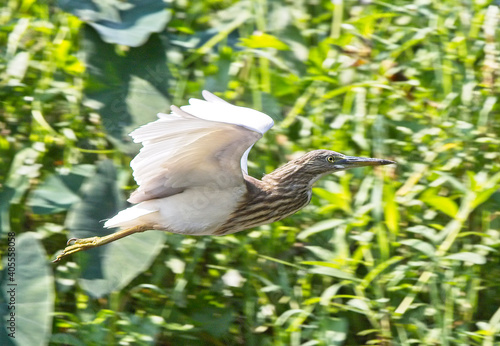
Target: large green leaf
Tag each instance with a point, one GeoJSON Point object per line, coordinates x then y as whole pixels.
{"type": "Point", "coordinates": [126, 90]}
{"type": "Point", "coordinates": [127, 23]}
{"type": "Point", "coordinates": [59, 191]}
{"type": "Point", "coordinates": [111, 267]}
{"type": "Point", "coordinates": [51, 197]}
{"type": "Point", "coordinates": [470, 257]}
{"type": "Point", "coordinates": [30, 289]}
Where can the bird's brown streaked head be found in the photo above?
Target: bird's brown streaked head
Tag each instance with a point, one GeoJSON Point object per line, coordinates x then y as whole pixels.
{"type": "Point", "coordinates": [327, 161]}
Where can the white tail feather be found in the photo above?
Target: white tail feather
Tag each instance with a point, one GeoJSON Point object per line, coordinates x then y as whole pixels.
{"type": "Point", "coordinates": [129, 217]}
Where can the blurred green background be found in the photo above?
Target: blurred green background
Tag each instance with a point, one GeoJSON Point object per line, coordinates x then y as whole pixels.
{"type": "Point", "coordinates": [405, 255]}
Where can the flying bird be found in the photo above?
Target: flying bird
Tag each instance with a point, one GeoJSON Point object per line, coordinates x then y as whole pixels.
{"type": "Point", "coordinates": [193, 177]}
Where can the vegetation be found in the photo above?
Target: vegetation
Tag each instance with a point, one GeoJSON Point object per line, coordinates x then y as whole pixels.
{"type": "Point", "coordinates": [405, 255]}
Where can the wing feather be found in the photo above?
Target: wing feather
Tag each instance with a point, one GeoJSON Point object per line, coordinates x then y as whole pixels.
{"type": "Point", "coordinates": [201, 145]}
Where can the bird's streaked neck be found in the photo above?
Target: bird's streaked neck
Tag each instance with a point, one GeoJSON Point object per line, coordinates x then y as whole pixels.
{"type": "Point", "coordinates": [292, 175]}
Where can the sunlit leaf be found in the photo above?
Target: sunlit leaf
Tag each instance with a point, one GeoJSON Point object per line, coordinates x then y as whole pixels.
{"type": "Point", "coordinates": [18, 65]}
{"type": "Point", "coordinates": [391, 212]}
{"type": "Point", "coordinates": [378, 270]}
{"type": "Point", "coordinates": [287, 314]}
{"type": "Point", "coordinates": [470, 257]}
{"type": "Point", "coordinates": [441, 203]}
{"type": "Point", "coordinates": [358, 304]}
{"type": "Point", "coordinates": [321, 252]}
{"type": "Point", "coordinates": [263, 41]}
{"type": "Point", "coordinates": [127, 24]}
{"type": "Point", "coordinates": [420, 245]}
{"type": "Point", "coordinates": [319, 227]}
{"type": "Point", "coordinates": [326, 268]}
{"type": "Point", "coordinates": [327, 295]}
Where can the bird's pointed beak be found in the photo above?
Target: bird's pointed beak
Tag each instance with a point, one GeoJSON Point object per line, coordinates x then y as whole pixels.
{"type": "Point", "coordinates": [353, 161]}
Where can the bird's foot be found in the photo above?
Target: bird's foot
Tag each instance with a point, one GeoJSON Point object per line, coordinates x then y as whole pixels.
{"type": "Point", "coordinates": [76, 245]}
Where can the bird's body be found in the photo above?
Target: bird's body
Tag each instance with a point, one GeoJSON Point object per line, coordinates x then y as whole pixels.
{"type": "Point", "coordinates": [216, 211]}
{"type": "Point", "coordinates": [193, 179]}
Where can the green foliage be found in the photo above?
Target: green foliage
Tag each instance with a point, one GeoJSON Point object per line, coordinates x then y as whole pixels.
{"type": "Point", "coordinates": [393, 255]}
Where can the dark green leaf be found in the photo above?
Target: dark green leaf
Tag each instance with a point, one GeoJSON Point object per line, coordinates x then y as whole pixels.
{"type": "Point", "coordinates": [127, 91]}
{"type": "Point", "coordinates": [30, 289]}
{"type": "Point", "coordinates": [112, 266]}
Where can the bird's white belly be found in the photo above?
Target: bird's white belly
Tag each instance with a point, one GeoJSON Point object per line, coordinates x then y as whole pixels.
{"type": "Point", "coordinates": [197, 211]}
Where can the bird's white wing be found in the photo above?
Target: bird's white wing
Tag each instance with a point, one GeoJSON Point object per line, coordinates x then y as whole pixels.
{"type": "Point", "coordinates": [201, 145]}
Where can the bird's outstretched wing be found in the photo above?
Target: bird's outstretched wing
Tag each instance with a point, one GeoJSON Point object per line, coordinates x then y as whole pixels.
{"type": "Point", "coordinates": [204, 144]}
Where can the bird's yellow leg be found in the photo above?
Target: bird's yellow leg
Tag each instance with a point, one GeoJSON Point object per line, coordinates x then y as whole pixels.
{"type": "Point", "coordinates": [76, 245]}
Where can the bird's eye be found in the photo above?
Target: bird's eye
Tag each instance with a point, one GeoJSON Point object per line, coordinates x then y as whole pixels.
{"type": "Point", "coordinates": [330, 159]}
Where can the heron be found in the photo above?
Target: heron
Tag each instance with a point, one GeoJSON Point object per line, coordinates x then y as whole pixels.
{"type": "Point", "coordinates": [192, 175]}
